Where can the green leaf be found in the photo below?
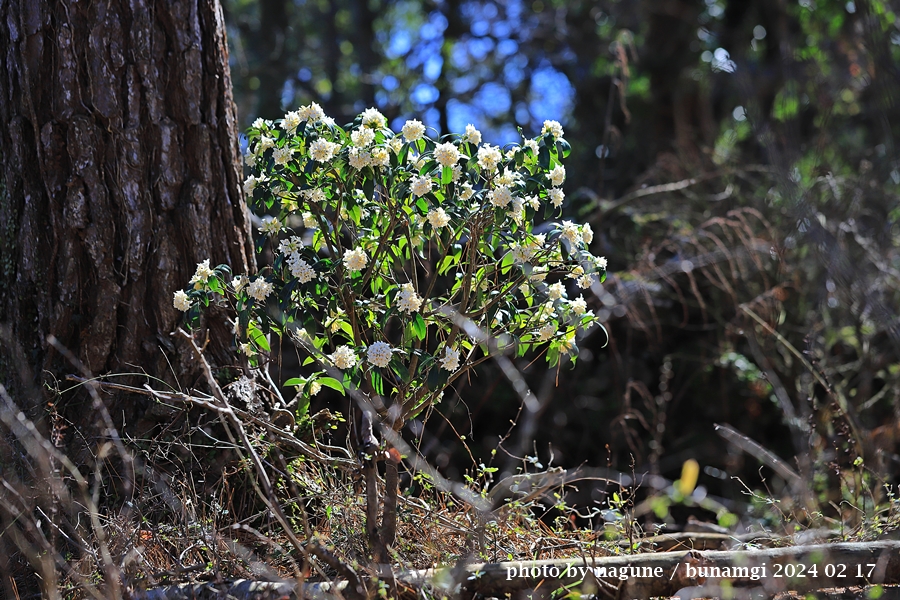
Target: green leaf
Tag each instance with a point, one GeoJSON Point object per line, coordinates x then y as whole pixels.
{"type": "Point", "coordinates": [294, 381]}
{"type": "Point", "coordinates": [506, 263]}
{"type": "Point", "coordinates": [333, 383]}
{"type": "Point", "coordinates": [419, 328]}
{"type": "Point", "coordinates": [544, 158]}
{"type": "Point", "coordinates": [553, 355]}
{"type": "Point", "coordinates": [437, 378]}
{"type": "Point", "coordinates": [302, 406]}
{"type": "Point", "coordinates": [447, 263]}
{"type": "Point", "coordinates": [564, 148]}
{"type": "Point", "coordinates": [259, 338]}
{"type": "Point", "coordinates": [446, 175]}
{"type": "Point", "coordinates": [399, 369]}
{"type": "Point", "coordinates": [377, 382]}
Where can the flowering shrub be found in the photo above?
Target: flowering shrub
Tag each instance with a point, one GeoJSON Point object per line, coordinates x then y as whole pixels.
{"type": "Point", "coordinates": [403, 261]}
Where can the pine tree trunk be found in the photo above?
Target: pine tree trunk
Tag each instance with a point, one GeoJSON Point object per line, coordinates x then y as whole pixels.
{"type": "Point", "coordinates": [119, 170]}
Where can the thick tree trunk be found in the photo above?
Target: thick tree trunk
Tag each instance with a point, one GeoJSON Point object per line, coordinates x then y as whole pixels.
{"type": "Point", "coordinates": [119, 170]}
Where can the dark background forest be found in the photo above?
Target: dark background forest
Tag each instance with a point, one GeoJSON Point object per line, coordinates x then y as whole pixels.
{"type": "Point", "coordinates": [736, 159]}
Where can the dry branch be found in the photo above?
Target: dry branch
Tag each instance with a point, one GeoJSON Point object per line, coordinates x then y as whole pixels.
{"type": "Point", "coordinates": [650, 575]}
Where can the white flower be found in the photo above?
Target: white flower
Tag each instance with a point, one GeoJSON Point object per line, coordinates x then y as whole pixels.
{"type": "Point", "coordinates": [420, 185]}
{"type": "Point", "coordinates": [292, 245]}
{"type": "Point", "coordinates": [314, 195]}
{"type": "Point", "coordinates": [587, 233]}
{"type": "Point", "coordinates": [466, 192]}
{"type": "Point", "coordinates": [270, 225]}
{"type": "Point", "coordinates": [314, 388]}
{"type": "Point", "coordinates": [301, 269]}
{"type": "Point", "coordinates": [438, 217]}
{"type": "Point", "coordinates": [450, 360]}
{"type": "Point", "coordinates": [371, 117]}
{"type": "Point", "coordinates": [250, 159]}
{"type": "Point", "coordinates": [538, 273]}
{"type": "Point", "coordinates": [532, 145]}
{"type": "Point", "coordinates": [309, 221]}
{"type": "Point", "coordinates": [362, 137]}
{"type": "Point", "coordinates": [322, 150]}
{"type": "Point", "coordinates": [407, 300]}
{"type": "Point", "coordinates": [291, 122]}
{"type": "Point", "coordinates": [554, 128]}
{"type": "Point", "coordinates": [579, 306]}
{"type": "Point", "coordinates": [489, 157]}
{"type": "Point", "coordinates": [181, 301]}
{"type": "Point", "coordinates": [239, 282]}
{"type": "Point", "coordinates": [250, 185]}
{"type": "Point", "coordinates": [344, 357]}
{"type": "Point", "coordinates": [556, 197]}
{"type": "Point", "coordinates": [359, 158]}
{"type": "Point", "coordinates": [446, 154]}
{"type": "Point", "coordinates": [517, 211]}
{"type": "Point", "coordinates": [546, 332]}
{"type": "Point", "coordinates": [356, 259]}
{"type": "Point", "coordinates": [472, 135]}
{"type": "Point", "coordinates": [457, 173]}
{"type": "Point", "coordinates": [246, 348]}
{"type": "Point", "coordinates": [396, 144]}
{"type": "Point", "coordinates": [413, 130]}
{"type": "Point", "coordinates": [571, 232]}
{"type": "Point", "coordinates": [259, 288]}
{"type": "Point", "coordinates": [509, 177]}
{"type": "Point", "coordinates": [500, 197]}
{"type": "Point", "coordinates": [203, 273]}
{"type": "Point", "coordinates": [601, 262]}
{"type": "Point", "coordinates": [379, 354]}
{"type": "Point", "coordinates": [265, 142]}
{"type": "Point", "coordinates": [533, 202]}
{"type": "Point", "coordinates": [259, 123]}
{"type": "Point", "coordinates": [282, 155]}
{"type": "Point", "coordinates": [558, 175]}
{"type": "Point", "coordinates": [312, 113]}
{"type": "Point", "coordinates": [557, 291]}
{"type": "Point", "coordinates": [521, 252]}
{"type": "Point", "coordinates": [585, 281]}
{"type": "Point", "coordinates": [380, 157]}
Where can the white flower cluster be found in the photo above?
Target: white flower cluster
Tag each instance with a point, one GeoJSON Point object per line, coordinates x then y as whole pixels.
{"type": "Point", "coordinates": [270, 225]}
{"type": "Point", "coordinates": [379, 354]}
{"type": "Point", "coordinates": [201, 275]}
{"type": "Point", "coordinates": [421, 185]}
{"type": "Point", "coordinates": [259, 288]}
{"type": "Point", "coordinates": [355, 260]}
{"type": "Point", "coordinates": [438, 217]}
{"type": "Point", "coordinates": [450, 360]}
{"type": "Point", "coordinates": [408, 300]}
{"type": "Point", "coordinates": [489, 157]}
{"type": "Point", "coordinates": [447, 154]}
{"type": "Point", "coordinates": [299, 268]}
{"type": "Point", "coordinates": [181, 301]}
{"type": "Point", "coordinates": [413, 130]}
{"type": "Point", "coordinates": [344, 357]}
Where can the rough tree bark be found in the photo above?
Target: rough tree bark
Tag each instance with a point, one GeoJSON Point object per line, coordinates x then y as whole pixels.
{"type": "Point", "coordinates": [119, 170]}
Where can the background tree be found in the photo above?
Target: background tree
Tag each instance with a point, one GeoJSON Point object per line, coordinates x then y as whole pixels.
{"type": "Point", "coordinates": [119, 169]}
